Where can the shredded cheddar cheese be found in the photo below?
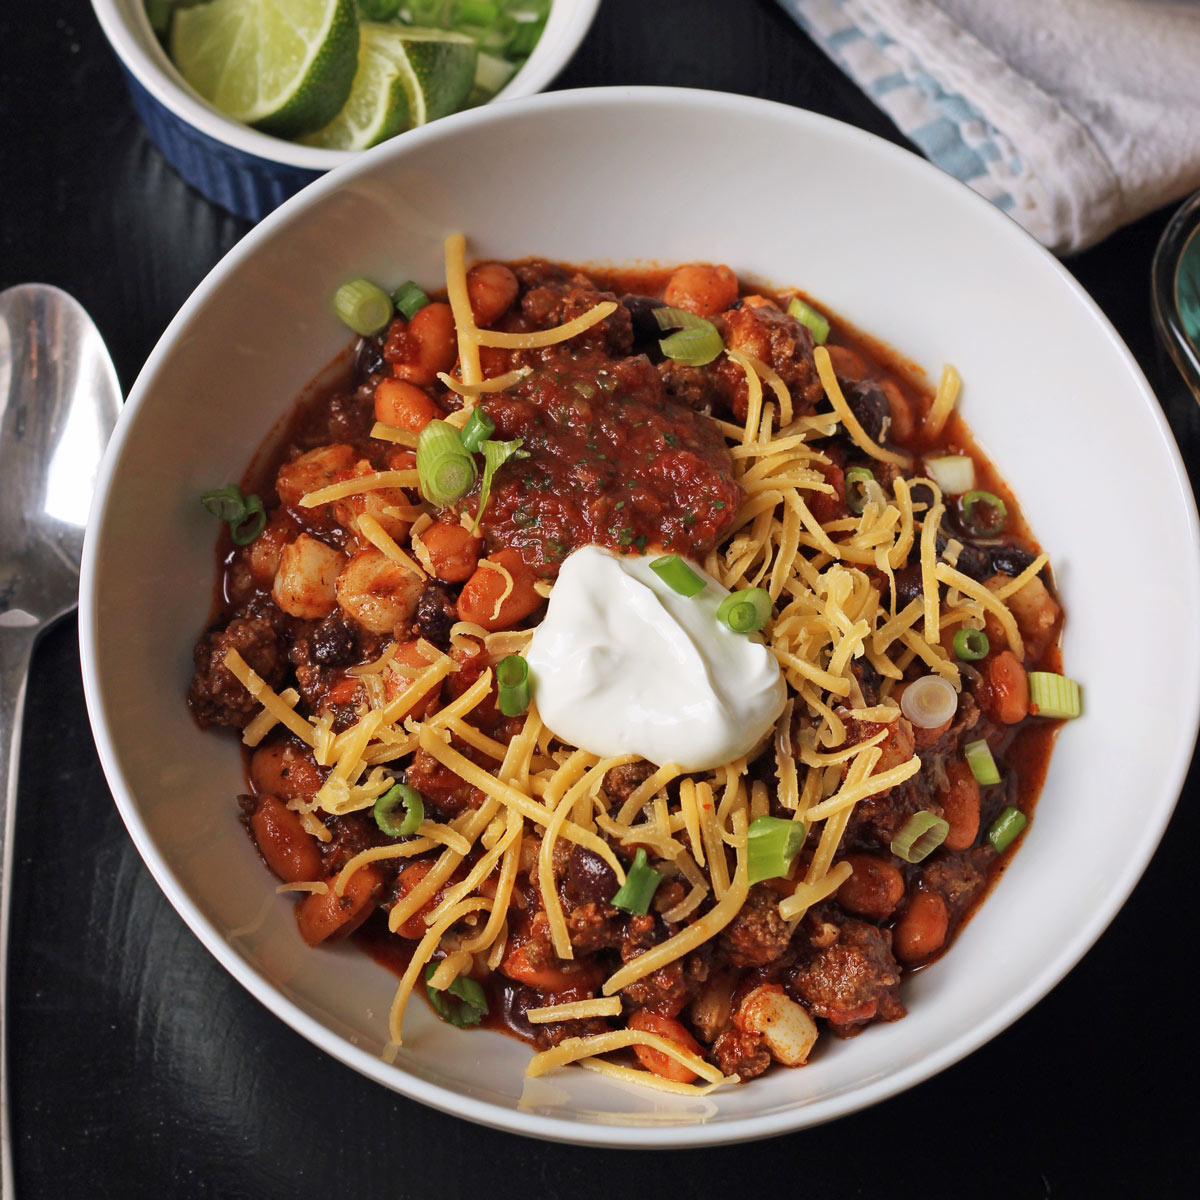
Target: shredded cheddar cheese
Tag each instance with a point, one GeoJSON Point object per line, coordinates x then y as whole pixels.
{"type": "Point", "coordinates": [533, 797]}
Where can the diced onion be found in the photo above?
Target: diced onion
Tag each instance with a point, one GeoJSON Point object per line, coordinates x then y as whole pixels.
{"type": "Point", "coordinates": [953, 473]}
{"type": "Point", "coordinates": [929, 701]}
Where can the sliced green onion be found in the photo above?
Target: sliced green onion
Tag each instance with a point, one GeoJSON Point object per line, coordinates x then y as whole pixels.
{"type": "Point", "coordinates": [746, 611]}
{"type": "Point", "coordinates": [771, 845]}
{"type": "Point", "coordinates": [857, 479]}
{"type": "Point", "coordinates": [387, 810]}
{"type": "Point", "coordinates": [983, 513]}
{"type": "Point", "coordinates": [1006, 828]}
{"type": "Point", "coordinates": [512, 679]}
{"type": "Point", "coordinates": [364, 306]}
{"type": "Point", "coordinates": [495, 455]}
{"type": "Point", "coordinates": [677, 575]}
{"type": "Point", "coordinates": [817, 322]}
{"type": "Point", "coordinates": [983, 765]}
{"type": "Point", "coordinates": [445, 470]}
{"type": "Point", "coordinates": [476, 431]}
{"type": "Point", "coordinates": [971, 644]}
{"type": "Point", "coordinates": [929, 701]}
{"type": "Point", "coordinates": [227, 503]}
{"type": "Point", "coordinates": [409, 299]}
{"type": "Point", "coordinates": [679, 318]}
{"type": "Point", "coordinates": [693, 347]}
{"type": "Point", "coordinates": [252, 522]}
{"type": "Point", "coordinates": [641, 882]}
{"type": "Point", "coordinates": [953, 473]}
{"type": "Point", "coordinates": [243, 514]}
{"type": "Point", "coordinates": [922, 834]}
{"type": "Point", "coordinates": [462, 1003]}
{"type": "Point", "coordinates": [1053, 695]}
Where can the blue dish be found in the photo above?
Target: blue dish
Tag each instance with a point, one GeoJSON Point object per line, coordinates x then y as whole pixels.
{"type": "Point", "coordinates": [244, 184]}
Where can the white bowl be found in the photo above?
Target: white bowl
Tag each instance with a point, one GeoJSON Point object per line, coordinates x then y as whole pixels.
{"type": "Point", "coordinates": [870, 230]}
{"type": "Point", "coordinates": [249, 172]}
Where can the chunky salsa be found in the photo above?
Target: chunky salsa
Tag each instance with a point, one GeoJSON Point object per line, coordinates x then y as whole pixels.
{"type": "Point", "coordinates": [414, 805]}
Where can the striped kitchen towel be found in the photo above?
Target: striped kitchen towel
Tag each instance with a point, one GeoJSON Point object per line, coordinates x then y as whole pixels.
{"type": "Point", "coordinates": [1073, 116]}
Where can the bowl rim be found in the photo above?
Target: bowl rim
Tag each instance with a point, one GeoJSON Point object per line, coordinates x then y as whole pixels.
{"type": "Point", "coordinates": [140, 53]}
{"type": "Point", "coordinates": [737, 1129]}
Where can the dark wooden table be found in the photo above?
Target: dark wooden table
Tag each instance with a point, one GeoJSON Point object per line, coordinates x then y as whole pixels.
{"type": "Point", "coordinates": [139, 1068]}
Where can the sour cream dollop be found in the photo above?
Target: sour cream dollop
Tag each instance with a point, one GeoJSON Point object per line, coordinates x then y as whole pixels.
{"type": "Point", "coordinates": [622, 664]}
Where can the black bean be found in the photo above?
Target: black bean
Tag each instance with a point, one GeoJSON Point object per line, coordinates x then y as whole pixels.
{"type": "Point", "coordinates": [332, 643]}
{"type": "Point", "coordinates": [646, 331]}
{"type": "Point", "coordinates": [368, 359]}
{"type": "Point", "coordinates": [436, 615]}
{"type": "Point", "coordinates": [922, 493]}
{"type": "Point", "coordinates": [870, 405]}
{"type": "Point", "coordinates": [974, 562]}
{"type": "Point", "coordinates": [1010, 560]}
{"type": "Point", "coordinates": [589, 878]}
{"type": "Point", "coordinates": [908, 585]}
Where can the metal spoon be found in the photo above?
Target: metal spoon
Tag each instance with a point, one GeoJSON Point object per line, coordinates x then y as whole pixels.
{"type": "Point", "coordinates": [59, 400]}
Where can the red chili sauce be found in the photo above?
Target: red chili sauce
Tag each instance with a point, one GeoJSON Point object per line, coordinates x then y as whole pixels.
{"type": "Point", "coordinates": [613, 461]}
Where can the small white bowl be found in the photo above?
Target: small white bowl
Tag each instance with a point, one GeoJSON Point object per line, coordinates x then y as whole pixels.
{"type": "Point", "coordinates": [879, 236]}
{"type": "Point", "coordinates": [250, 173]}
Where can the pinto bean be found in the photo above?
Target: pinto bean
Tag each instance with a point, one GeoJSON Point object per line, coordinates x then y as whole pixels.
{"type": "Point", "coordinates": [1006, 696]}
{"type": "Point", "coordinates": [289, 851]}
{"type": "Point", "coordinates": [922, 927]}
{"type": "Point", "coordinates": [480, 603]}
{"type": "Point", "coordinates": [900, 409]}
{"type": "Point", "coordinates": [960, 806]}
{"type": "Point", "coordinates": [702, 289]}
{"type": "Point", "coordinates": [428, 345]}
{"type": "Point", "coordinates": [324, 915]}
{"type": "Point", "coordinates": [453, 550]}
{"type": "Point", "coordinates": [874, 889]}
{"type": "Point", "coordinates": [491, 289]}
{"type": "Point", "coordinates": [264, 553]}
{"type": "Point", "coordinates": [656, 1061]}
{"type": "Point", "coordinates": [285, 770]}
{"type": "Point", "coordinates": [847, 363]}
{"type": "Point", "coordinates": [404, 405]}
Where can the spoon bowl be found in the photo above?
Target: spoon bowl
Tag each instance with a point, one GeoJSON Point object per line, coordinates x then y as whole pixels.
{"type": "Point", "coordinates": [59, 400]}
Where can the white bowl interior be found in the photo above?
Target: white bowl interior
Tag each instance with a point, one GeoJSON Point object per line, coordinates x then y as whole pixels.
{"type": "Point", "coordinates": [127, 27]}
{"type": "Point", "coordinates": [871, 231]}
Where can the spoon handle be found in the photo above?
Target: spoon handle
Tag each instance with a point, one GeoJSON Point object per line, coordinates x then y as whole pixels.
{"type": "Point", "coordinates": [16, 647]}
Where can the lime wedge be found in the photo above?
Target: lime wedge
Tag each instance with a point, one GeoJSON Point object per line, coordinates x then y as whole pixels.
{"type": "Point", "coordinates": [442, 66]}
{"type": "Point", "coordinates": [406, 77]}
{"type": "Point", "coordinates": [283, 66]}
